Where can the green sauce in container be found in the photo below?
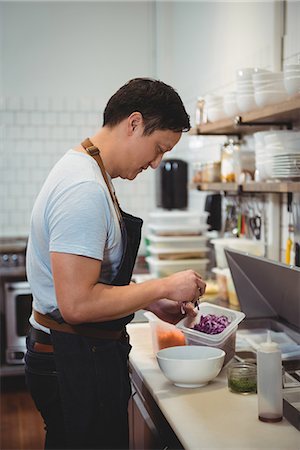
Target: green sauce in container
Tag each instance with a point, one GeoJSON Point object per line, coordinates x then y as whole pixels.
{"type": "Point", "coordinates": [242, 378]}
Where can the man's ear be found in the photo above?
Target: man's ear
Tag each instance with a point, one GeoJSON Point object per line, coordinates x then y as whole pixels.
{"type": "Point", "coordinates": [134, 121]}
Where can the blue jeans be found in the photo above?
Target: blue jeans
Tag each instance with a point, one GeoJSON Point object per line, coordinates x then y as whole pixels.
{"type": "Point", "coordinates": [81, 391]}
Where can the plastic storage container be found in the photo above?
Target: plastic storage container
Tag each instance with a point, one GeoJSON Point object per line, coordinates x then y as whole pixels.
{"type": "Point", "coordinates": [175, 253]}
{"type": "Point", "coordinates": [244, 245]}
{"type": "Point", "coordinates": [163, 268]}
{"type": "Point", "coordinates": [164, 334]}
{"type": "Point", "coordinates": [224, 340]}
{"type": "Point", "coordinates": [178, 217]}
{"type": "Point", "coordinates": [175, 229]}
{"type": "Point", "coordinates": [183, 242]}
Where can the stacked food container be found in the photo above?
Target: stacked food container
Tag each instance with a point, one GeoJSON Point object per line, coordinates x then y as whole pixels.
{"type": "Point", "coordinates": [177, 241]}
{"type": "Point", "coordinates": [222, 271]}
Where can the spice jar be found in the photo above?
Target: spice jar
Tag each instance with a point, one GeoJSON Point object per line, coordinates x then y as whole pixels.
{"type": "Point", "coordinates": [242, 378]}
{"type": "Point", "coordinates": [230, 162]}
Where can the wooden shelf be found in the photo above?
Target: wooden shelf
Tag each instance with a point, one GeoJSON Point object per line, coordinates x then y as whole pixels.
{"type": "Point", "coordinates": [287, 112]}
{"type": "Point", "coordinates": [250, 187]}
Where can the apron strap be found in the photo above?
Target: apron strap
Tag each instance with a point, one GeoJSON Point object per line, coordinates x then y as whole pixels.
{"type": "Point", "coordinates": [46, 321]}
{"type": "Point", "coordinates": [94, 151]}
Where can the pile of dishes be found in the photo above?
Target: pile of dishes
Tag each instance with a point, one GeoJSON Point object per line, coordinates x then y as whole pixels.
{"type": "Point", "coordinates": [177, 241]}
{"type": "Point", "coordinates": [244, 88]}
{"type": "Point", "coordinates": [277, 154]}
{"type": "Point", "coordinates": [268, 88]}
{"type": "Point", "coordinates": [230, 104]}
{"type": "Point", "coordinates": [291, 73]}
{"type": "Point", "coordinates": [214, 107]}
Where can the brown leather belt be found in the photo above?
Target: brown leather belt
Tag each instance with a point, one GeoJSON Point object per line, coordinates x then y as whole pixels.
{"type": "Point", "coordinates": [42, 348]}
{"type": "Point", "coordinates": [82, 330]}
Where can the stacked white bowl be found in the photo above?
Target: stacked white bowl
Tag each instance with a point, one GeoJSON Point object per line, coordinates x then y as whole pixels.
{"type": "Point", "coordinates": [268, 88]}
{"type": "Point", "coordinates": [214, 107]}
{"type": "Point", "coordinates": [291, 74]}
{"type": "Point", "coordinates": [230, 104]}
{"type": "Point", "coordinates": [244, 88]}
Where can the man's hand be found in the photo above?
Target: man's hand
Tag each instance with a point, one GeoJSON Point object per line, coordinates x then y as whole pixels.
{"type": "Point", "coordinates": [171, 311]}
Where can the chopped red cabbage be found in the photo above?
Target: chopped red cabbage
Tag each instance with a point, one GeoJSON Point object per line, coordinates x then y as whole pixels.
{"type": "Point", "coordinates": [212, 324]}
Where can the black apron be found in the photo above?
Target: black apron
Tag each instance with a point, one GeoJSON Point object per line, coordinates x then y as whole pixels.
{"type": "Point", "coordinates": [93, 373]}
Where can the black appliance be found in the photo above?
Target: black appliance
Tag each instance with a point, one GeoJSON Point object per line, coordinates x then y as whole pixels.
{"type": "Point", "coordinates": [213, 205]}
{"type": "Point", "coordinates": [172, 184]}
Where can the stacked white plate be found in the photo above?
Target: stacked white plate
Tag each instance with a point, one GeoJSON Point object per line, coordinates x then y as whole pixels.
{"type": "Point", "coordinates": [269, 88]}
{"type": "Point", "coordinates": [277, 154]}
{"type": "Point", "coordinates": [291, 74]}
{"type": "Point", "coordinates": [176, 242]}
{"type": "Point", "coordinates": [214, 107]}
{"type": "Point", "coordinates": [244, 88]}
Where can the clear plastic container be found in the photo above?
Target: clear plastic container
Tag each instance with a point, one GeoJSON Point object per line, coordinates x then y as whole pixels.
{"type": "Point", "coordinates": [175, 253]}
{"type": "Point", "coordinates": [240, 244]}
{"type": "Point", "coordinates": [163, 268]}
{"type": "Point", "coordinates": [178, 230]}
{"type": "Point", "coordinates": [224, 340]}
{"type": "Point", "coordinates": [182, 242]}
{"type": "Point", "coordinates": [164, 334]}
{"type": "Point", "coordinates": [164, 217]}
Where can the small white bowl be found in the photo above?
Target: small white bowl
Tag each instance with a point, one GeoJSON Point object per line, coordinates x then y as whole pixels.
{"type": "Point", "coordinates": [292, 85]}
{"type": "Point", "coordinates": [246, 102]}
{"type": "Point", "coordinates": [265, 98]}
{"type": "Point", "coordinates": [246, 73]}
{"type": "Point", "coordinates": [190, 366]}
{"type": "Point", "coordinates": [267, 76]}
{"type": "Point", "coordinates": [215, 114]}
{"type": "Point", "coordinates": [231, 109]}
{"type": "Point", "coordinates": [287, 67]}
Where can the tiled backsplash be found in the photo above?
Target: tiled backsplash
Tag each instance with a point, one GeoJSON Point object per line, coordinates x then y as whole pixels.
{"type": "Point", "coordinates": [35, 133]}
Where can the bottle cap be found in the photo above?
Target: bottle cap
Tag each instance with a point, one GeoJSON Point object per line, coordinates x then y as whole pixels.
{"type": "Point", "coordinates": [269, 345]}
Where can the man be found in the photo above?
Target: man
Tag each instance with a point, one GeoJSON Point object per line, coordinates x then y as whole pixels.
{"type": "Point", "coordinates": [81, 253]}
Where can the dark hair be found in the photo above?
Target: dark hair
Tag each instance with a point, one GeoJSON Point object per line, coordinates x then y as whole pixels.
{"type": "Point", "coordinates": [159, 104]}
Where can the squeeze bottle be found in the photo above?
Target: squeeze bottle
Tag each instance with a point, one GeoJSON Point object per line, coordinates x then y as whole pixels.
{"type": "Point", "coordinates": [269, 381]}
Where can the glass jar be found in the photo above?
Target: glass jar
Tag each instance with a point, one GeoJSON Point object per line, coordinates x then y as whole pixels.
{"type": "Point", "coordinates": [230, 162]}
{"type": "Point", "coordinates": [200, 112]}
{"type": "Point", "coordinates": [242, 378]}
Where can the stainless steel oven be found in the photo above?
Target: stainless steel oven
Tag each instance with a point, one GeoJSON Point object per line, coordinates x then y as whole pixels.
{"type": "Point", "coordinates": [17, 304]}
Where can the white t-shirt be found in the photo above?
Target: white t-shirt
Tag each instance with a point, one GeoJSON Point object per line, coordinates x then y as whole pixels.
{"type": "Point", "coordinates": [73, 213]}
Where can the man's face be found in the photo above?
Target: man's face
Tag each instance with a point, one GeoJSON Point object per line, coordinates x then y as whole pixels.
{"type": "Point", "coordinates": [147, 151]}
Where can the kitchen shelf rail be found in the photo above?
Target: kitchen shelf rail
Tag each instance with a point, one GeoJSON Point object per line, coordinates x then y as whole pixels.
{"type": "Point", "coordinates": [250, 187]}
{"type": "Point", "coordinates": [285, 114]}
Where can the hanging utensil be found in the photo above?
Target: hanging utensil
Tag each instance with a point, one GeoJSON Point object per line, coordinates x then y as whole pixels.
{"type": "Point", "coordinates": [289, 241]}
{"type": "Point", "coordinates": [255, 225]}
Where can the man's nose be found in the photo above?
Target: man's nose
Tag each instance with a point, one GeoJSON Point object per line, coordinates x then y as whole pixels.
{"type": "Point", "coordinates": [156, 162]}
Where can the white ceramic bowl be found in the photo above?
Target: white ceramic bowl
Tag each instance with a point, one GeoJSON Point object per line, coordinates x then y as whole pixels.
{"type": "Point", "coordinates": [267, 76]}
{"type": "Point", "coordinates": [288, 67]}
{"type": "Point", "coordinates": [292, 85]}
{"type": "Point", "coordinates": [246, 102]}
{"type": "Point", "coordinates": [190, 366]}
{"type": "Point", "coordinates": [269, 97]}
{"type": "Point", "coordinates": [231, 108]}
{"type": "Point", "coordinates": [247, 72]}
{"type": "Point", "coordinates": [215, 114]}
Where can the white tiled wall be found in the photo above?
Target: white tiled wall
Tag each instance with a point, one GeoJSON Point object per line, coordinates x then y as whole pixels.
{"type": "Point", "coordinates": [35, 133]}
